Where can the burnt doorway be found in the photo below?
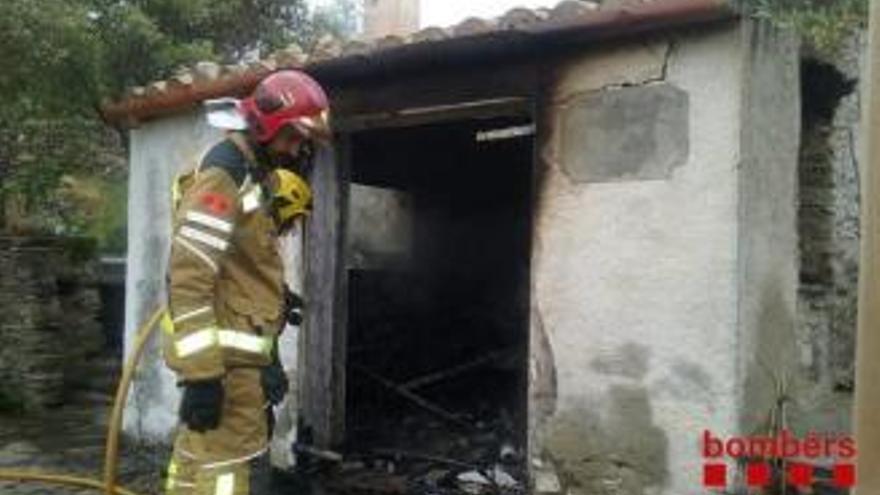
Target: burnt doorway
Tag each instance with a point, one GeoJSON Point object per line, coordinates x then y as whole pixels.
{"type": "Point", "coordinates": [437, 328]}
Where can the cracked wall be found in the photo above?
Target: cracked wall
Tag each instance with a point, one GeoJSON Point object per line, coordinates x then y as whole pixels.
{"type": "Point", "coordinates": [633, 127]}
{"type": "Point", "coordinates": [632, 133]}
{"type": "Point", "coordinates": [637, 260]}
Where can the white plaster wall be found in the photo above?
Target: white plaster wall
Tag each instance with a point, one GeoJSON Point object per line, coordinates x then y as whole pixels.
{"type": "Point", "coordinates": [158, 151]}
{"type": "Point", "coordinates": [380, 228]}
{"type": "Point", "coordinates": [768, 246]}
{"type": "Point", "coordinates": [287, 413]}
{"type": "Point", "coordinates": [635, 283]}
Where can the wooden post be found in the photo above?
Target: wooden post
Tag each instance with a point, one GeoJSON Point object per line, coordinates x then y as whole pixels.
{"type": "Point", "coordinates": [323, 369]}
{"type": "Point", "coordinates": [867, 394]}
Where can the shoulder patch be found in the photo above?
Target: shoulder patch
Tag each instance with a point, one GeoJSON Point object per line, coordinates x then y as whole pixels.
{"type": "Point", "coordinates": [227, 157]}
{"type": "Point", "coordinates": [217, 204]}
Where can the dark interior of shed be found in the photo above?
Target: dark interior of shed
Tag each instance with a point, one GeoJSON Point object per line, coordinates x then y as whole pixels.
{"type": "Point", "coordinates": [437, 347]}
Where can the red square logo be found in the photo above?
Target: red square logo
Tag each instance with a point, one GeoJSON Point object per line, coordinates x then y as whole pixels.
{"type": "Point", "coordinates": [844, 475]}
{"type": "Point", "coordinates": [757, 474]}
{"type": "Point", "coordinates": [800, 474]}
{"type": "Point", "coordinates": [715, 475]}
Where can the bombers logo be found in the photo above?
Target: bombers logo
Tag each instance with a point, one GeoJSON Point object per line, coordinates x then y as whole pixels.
{"type": "Point", "coordinates": [759, 453]}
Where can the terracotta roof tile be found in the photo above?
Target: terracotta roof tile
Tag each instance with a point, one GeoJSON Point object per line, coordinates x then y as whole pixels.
{"type": "Point", "coordinates": [265, 65]}
{"type": "Point", "coordinates": [207, 71]}
{"type": "Point", "coordinates": [355, 47]}
{"type": "Point", "coordinates": [158, 87]}
{"type": "Point", "coordinates": [387, 42]}
{"type": "Point", "coordinates": [473, 25]}
{"type": "Point", "coordinates": [291, 57]}
{"type": "Point", "coordinates": [568, 9]}
{"type": "Point", "coordinates": [182, 79]}
{"type": "Point", "coordinates": [432, 33]}
{"type": "Point", "coordinates": [198, 82]}
{"type": "Point", "coordinates": [328, 47]}
{"type": "Point", "coordinates": [234, 69]}
{"type": "Point", "coordinates": [136, 92]}
{"type": "Point", "coordinates": [520, 18]}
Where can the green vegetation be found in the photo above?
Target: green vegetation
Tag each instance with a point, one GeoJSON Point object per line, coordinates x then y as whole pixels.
{"type": "Point", "coordinates": [61, 170]}
{"type": "Point", "coordinates": [823, 24]}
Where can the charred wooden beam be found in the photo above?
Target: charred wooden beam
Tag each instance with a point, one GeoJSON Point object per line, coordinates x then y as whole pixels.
{"type": "Point", "coordinates": [413, 397]}
{"type": "Point", "coordinates": [454, 371]}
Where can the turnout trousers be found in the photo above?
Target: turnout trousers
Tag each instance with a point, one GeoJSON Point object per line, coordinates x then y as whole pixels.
{"type": "Point", "coordinates": [218, 462]}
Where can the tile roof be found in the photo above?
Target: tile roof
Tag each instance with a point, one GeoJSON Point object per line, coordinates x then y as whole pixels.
{"type": "Point", "coordinates": [576, 20]}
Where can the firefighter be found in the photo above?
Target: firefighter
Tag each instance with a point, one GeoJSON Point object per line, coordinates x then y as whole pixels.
{"type": "Point", "coordinates": [225, 291]}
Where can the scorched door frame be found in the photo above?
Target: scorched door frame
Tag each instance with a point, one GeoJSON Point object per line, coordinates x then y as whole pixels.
{"type": "Point", "coordinates": [322, 375]}
{"type": "Point", "coordinates": [323, 371]}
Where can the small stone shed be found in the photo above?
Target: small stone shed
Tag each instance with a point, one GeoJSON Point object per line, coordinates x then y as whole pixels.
{"type": "Point", "coordinates": [609, 194]}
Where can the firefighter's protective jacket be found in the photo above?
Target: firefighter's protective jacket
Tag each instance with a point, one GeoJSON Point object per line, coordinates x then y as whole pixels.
{"type": "Point", "coordinates": [225, 274]}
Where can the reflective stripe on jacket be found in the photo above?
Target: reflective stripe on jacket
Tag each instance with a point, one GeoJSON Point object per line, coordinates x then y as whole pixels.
{"type": "Point", "coordinates": [225, 274]}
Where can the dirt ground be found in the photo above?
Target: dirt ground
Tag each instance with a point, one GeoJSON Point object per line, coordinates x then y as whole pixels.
{"type": "Point", "coordinates": [70, 440]}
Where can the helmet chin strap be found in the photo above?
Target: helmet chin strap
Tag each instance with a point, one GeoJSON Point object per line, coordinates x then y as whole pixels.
{"type": "Point", "coordinates": [262, 160]}
{"type": "Point", "coordinates": [301, 164]}
{"type": "Point", "coordinates": [305, 159]}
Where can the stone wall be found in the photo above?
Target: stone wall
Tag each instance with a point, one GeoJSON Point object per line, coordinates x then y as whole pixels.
{"type": "Point", "coordinates": [49, 307]}
{"type": "Point", "coordinates": [828, 224]}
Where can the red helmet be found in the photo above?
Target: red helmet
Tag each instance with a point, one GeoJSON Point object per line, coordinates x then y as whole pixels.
{"type": "Point", "coordinates": [287, 97]}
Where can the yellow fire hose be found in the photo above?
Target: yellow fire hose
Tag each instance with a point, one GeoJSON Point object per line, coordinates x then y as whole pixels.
{"type": "Point", "coordinates": [111, 452]}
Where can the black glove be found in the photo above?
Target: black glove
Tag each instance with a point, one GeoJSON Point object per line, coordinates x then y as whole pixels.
{"type": "Point", "coordinates": [202, 404]}
{"type": "Point", "coordinates": [293, 305]}
{"type": "Point", "coordinates": [274, 380]}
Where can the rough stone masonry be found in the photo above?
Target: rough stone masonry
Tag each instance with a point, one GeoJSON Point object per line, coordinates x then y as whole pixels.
{"type": "Point", "coordinates": [49, 305]}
